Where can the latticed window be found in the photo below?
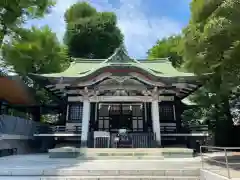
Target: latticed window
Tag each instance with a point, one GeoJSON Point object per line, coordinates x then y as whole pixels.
{"type": "Point", "coordinates": [166, 112]}
{"type": "Point", "coordinates": [75, 113]}
{"type": "Point", "coordinates": [126, 109]}
{"type": "Point", "coordinates": [137, 118]}
{"type": "Point", "coordinates": [103, 118]}
{"type": "Point", "coordinates": [137, 110]}
{"type": "Point", "coordinates": [115, 109]}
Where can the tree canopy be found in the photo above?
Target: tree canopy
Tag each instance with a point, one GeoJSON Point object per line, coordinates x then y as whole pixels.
{"type": "Point", "coordinates": [91, 34]}
{"type": "Point", "coordinates": [170, 47]}
{"type": "Point", "coordinates": [36, 51]}
{"type": "Point", "coordinates": [79, 10]}
{"type": "Point", "coordinates": [212, 39]}
{"type": "Point", "coordinates": [212, 45]}
{"type": "Point", "coordinates": [15, 12]}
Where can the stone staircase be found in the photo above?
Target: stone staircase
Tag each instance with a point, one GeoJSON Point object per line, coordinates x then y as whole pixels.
{"type": "Point", "coordinates": [121, 178]}
{"type": "Point", "coordinates": [104, 164]}
{"type": "Point", "coordinates": [110, 169]}
{"type": "Point", "coordinates": [120, 153]}
{"type": "Point", "coordinates": [78, 174]}
{"type": "Point", "coordinates": [185, 174]}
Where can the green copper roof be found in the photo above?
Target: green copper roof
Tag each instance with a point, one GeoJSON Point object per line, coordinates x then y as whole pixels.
{"type": "Point", "coordinates": [83, 67]}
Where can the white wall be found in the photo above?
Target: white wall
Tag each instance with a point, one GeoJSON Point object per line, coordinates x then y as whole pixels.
{"type": "Point", "coordinates": [16, 125]}
{"type": "Point", "coordinates": [15, 132]}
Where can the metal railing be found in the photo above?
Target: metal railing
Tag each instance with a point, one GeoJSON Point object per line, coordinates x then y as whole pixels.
{"type": "Point", "coordinates": [73, 129]}
{"type": "Point", "coordinates": [60, 129]}
{"type": "Point", "coordinates": [139, 140]}
{"type": "Point", "coordinates": [226, 159]}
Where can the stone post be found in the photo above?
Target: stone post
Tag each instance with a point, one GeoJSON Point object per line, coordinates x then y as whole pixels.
{"type": "Point", "coordinates": [156, 122]}
{"type": "Point", "coordinates": [85, 122]}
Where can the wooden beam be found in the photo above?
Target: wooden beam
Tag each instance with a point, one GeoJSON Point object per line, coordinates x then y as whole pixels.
{"type": "Point", "coordinates": [120, 98]}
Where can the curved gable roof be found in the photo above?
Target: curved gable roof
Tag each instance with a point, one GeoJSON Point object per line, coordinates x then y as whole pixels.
{"type": "Point", "coordinates": [83, 67]}
{"type": "Point", "coordinates": [164, 67]}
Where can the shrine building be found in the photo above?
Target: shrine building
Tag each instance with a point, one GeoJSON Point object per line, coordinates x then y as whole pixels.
{"type": "Point", "coordinates": [105, 95]}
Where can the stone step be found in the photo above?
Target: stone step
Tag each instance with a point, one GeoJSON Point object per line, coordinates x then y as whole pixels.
{"type": "Point", "coordinates": [100, 178]}
{"type": "Point", "coordinates": [136, 151]}
{"type": "Point", "coordinates": [78, 172]}
{"type": "Point", "coordinates": [121, 157]}
{"type": "Point", "coordinates": [115, 153]}
{"type": "Point", "coordinates": [72, 172]}
{"type": "Point", "coordinates": [121, 177]}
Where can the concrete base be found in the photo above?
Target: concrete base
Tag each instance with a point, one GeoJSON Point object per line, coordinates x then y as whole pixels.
{"type": "Point", "coordinates": [177, 153]}
{"type": "Point", "coordinates": [64, 152]}
{"type": "Point", "coordinates": [120, 153]}
{"type": "Point", "coordinates": [64, 155]}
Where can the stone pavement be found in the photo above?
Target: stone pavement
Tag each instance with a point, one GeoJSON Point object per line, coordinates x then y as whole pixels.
{"type": "Point", "coordinates": [42, 165]}
{"type": "Point", "coordinates": [44, 162]}
{"type": "Point", "coordinates": [36, 164]}
{"type": "Point", "coordinates": [216, 162]}
{"type": "Point", "coordinates": [221, 170]}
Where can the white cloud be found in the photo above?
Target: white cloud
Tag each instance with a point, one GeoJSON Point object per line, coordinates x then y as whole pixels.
{"type": "Point", "coordinates": [140, 31]}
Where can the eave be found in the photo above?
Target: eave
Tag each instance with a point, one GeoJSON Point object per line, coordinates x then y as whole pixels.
{"type": "Point", "coordinates": [116, 70]}
{"type": "Point", "coordinates": [14, 91]}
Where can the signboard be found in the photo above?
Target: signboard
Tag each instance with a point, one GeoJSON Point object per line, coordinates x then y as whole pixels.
{"type": "Point", "coordinates": [166, 98]}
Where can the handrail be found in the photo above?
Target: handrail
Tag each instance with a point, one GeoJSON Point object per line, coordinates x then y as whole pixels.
{"type": "Point", "coordinates": [226, 158]}
{"type": "Point", "coordinates": [222, 148]}
{"type": "Point", "coordinates": [58, 129]}
{"type": "Point", "coordinates": [67, 129]}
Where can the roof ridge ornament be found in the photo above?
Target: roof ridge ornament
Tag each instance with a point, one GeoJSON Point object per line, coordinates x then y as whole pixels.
{"type": "Point", "coordinates": [120, 56]}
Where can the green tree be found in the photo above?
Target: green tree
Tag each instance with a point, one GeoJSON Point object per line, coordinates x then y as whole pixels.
{"type": "Point", "coordinates": [13, 13]}
{"type": "Point", "coordinates": [171, 47]}
{"type": "Point", "coordinates": [91, 34]}
{"type": "Point", "coordinates": [212, 45]}
{"type": "Point", "coordinates": [79, 10]}
{"type": "Point", "coordinates": [36, 51]}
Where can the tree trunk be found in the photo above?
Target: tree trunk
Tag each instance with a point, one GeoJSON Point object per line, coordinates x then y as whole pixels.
{"type": "Point", "coordinates": [224, 124]}
{"type": "Point", "coordinates": [1, 40]}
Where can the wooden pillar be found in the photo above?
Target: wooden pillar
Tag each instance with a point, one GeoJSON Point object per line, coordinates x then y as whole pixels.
{"type": "Point", "coordinates": [36, 113]}
{"type": "Point", "coordinates": [67, 113]}
{"type": "Point", "coordinates": [149, 117]}
{"type": "Point", "coordinates": [1, 107]}
{"type": "Point", "coordinates": [92, 116]}
{"type": "Point", "coordinates": [178, 113]}
{"type": "Point", "coordinates": [145, 119]}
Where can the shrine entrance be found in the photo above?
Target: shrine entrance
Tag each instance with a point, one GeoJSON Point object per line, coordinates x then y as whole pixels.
{"type": "Point", "coordinates": [115, 116]}
{"type": "Point", "coordinates": [120, 116]}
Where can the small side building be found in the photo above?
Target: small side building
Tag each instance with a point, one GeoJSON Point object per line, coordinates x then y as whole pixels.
{"type": "Point", "coordinates": [17, 123]}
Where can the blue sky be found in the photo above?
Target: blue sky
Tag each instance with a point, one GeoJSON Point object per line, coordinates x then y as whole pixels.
{"type": "Point", "coordinates": [142, 22]}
